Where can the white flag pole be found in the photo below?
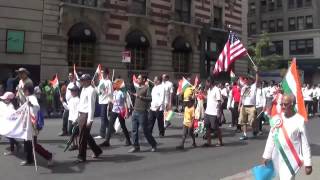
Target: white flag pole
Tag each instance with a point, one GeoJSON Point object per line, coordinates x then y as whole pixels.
{"type": "Point", "coordinates": [112, 78]}
{"type": "Point", "coordinates": [251, 60]}
{"type": "Point", "coordinates": [32, 140]}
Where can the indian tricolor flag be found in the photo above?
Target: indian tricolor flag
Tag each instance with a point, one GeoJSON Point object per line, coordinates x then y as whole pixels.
{"type": "Point", "coordinates": [232, 76]}
{"type": "Point", "coordinates": [291, 84]}
{"type": "Point", "coordinates": [168, 115]}
{"type": "Point", "coordinates": [183, 84]}
{"type": "Point", "coordinates": [55, 82]}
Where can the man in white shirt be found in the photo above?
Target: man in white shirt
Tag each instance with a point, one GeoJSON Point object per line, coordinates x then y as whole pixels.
{"type": "Point", "coordinates": [168, 91]}
{"type": "Point", "coordinates": [260, 105]}
{"type": "Point", "coordinates": [292, 124]}
{"type": "Point", "coordinates": [307, 96]}
{"type": "Point", "coordinates": [211, 121]}
{"type": "Point", "coordinates": [157, 106]}
{"type": "Point", "coordinates": [247, 107]}
{"type": "Point", "coordinates": [104, 90]}
{"type": "Point", "coordinates": [86, 115]}
{"type": "Point", "coordinates": [317, 96]}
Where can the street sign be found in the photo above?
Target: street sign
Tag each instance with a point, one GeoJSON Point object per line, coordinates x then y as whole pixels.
{"type": "Point", "coordinates": [126, 57]}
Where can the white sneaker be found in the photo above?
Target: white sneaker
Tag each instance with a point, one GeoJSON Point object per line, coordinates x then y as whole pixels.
{"type": "Point", "coordinates": [98, 137]}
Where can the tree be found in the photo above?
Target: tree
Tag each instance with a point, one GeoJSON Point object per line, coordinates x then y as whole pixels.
{"type": "Point", "coordinates": [262, 55]}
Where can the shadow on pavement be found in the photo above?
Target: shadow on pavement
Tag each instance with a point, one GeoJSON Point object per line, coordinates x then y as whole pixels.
{"type": "Point", "coordinates": [118, 158]}
{"type": "Point", "coordinates": [315, 149]}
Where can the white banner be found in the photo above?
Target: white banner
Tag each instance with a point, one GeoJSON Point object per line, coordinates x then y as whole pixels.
{"type": "Point", "coordinates": [17, 124]}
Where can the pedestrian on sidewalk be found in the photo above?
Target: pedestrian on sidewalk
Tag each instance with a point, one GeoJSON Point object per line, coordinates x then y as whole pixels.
{"type": "Point", "coordinates": [288, 126]}
{"type": "Point", "coordinates": [139, 116]}
{"type": "Point", "coordinates": [119, 111]}
{"type": "Point", "coordinates": [188, 123]}
{"type": "Point", "coordinates": [86, 114]}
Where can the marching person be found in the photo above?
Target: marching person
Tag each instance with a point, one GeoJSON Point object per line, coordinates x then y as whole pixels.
{"type": "Point", "coordinates": [104, 90]}
{"type": "Point", "coordinates": [157, 106]}
{"type": "Point", "coordinates": [188, 121]}
{"type": "Point", "coordinates": [168, 95]}
{"type": "Point", "coordinates": [233, 105]}
{"type": "Point", "coordinates": [294, 126]}
{"type": "Point", "coordinates": [247, 107]}
{"type": "Point", "coordinates": [86, 114]}
{"type": "Point", "coordinates": [6, 107]}
{"type": "Point", "coordinates": [211, 121]}
{"type": "Point", "coordinates": [72, 107]}
{"type": "Point", "coordinates": [28, 91]}
{"type": "Point", "coordinates": [307, 96]}
{"type": "Point", "coordinates": [120, 111]}
{"type": "Point", "coordinates": [139, 116]}
{"type": "Point", "coordinates": [260, 106]}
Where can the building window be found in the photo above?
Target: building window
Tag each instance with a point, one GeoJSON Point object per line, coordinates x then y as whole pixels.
{"type": "Point", "coordinates": [138, 7]}
{"type": "Point", "coordinates": [277, 48]}
{"type": "Point", "coordinates": [309, 22]}
{"type": "Point", "coordinates": [264, 26]}
{"type": "Point", "coordinates": [181, 55]}
{"type": "Point", "coordinates": [308, 3]}
{"type": "Point", "coordinates": [291, 4]}
{"type": "Point", "coordinates": [300, 23]}
{"type": "Point", "coordinates": [279, 25]}
{"type": "Point", "coordinates": [252, 28]}
{"type": "Point", "coordinates": [92, 3]}
{"type": "Point", "coordinates": [272, 26]}
{"type": "Point", "coordinates": [271, 5]}
{"type": "Point", "coordinates": [263, 5]}
{"type": "Point", "coordinates": [279, 3]}
{"type": "Point", "coordinates": [301, 46]}
{"type": "Point", "coordinates": [138, 45]}
{"type": "Point", "coordinates": [81, 45]}
{"type": "Point", "coordinates": [217, 19]}
{"type": "Point", "coordinates": [299, 3]}
{"type": "Point", "coordinates": [252, 8]}
{"type": "Point", "coordinates": [292, 24]}
{"type": "Point", "coordinates": [183, 10]}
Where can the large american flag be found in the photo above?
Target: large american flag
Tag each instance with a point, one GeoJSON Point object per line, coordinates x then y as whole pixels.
{"type": "Point", "coordinates": [232, 51]}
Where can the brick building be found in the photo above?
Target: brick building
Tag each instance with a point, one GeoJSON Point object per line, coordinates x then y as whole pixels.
{"type": "Point", "coordinates": [179, 37]}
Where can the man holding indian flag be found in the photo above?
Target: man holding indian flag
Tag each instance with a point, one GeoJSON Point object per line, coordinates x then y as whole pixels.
{"type": "Point", "coordinates": [287, 144]}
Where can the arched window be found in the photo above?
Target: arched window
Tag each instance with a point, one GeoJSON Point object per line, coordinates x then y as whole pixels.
{"type": "Point", "coordinates": [81, 45]}
{"type": "Point", "coordinates": [181, 55]}
{"type": "Point", "coordinates": [138, 45]}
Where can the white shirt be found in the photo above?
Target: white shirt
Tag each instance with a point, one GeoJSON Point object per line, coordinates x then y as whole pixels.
{"type": "Point", "coordinates": [248, 95]}
{"type": "Point", "coordinates": [87, 102]}
{"type": "Point", "coordinates": [104, 91]}
{"type": "Point", "coordinates": [157, 95]}
{"type": "Point", "coordinates": [260, 98]}
{"type": "Point", "coordinates": [296, 130]}
{"type": "Point", "coordinates": [68, 92]}
{"type": "Point", "coordinates": [307, 94]}
{"type": "Point", "coordinates": [168, 90]}
{"type": "Point", "coordinates": [35, 105]}
{"type": "Point", "coordinates": [72, 106]}
{"type": "Point", "coordinates": [317, 93]}
{"type": "Point", "coordinates": [213, 98]}
{"type": "Point", "coordinates": [118, 101]}
{"type": "Point", "coordinates": [224, 92]}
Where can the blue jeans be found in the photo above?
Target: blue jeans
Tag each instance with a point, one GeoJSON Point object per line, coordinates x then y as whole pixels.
{"type": "Point", "coordinates": [104, 119]}
{"type": "Point", "coordinates": [139, 118]}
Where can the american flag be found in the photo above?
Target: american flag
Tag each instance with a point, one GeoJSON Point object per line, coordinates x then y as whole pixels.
{"type": "Point", "coordinates": [232, 51]}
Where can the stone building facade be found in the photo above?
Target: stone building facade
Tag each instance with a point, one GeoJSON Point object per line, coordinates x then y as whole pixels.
{"type": "Point", "coordinates": [178, 37]}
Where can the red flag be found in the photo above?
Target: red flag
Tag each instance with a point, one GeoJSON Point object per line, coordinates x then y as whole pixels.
{"type": "Point", "coordinates": [55, 82]}
{"type": "Point", "coordinates": [232, 51]}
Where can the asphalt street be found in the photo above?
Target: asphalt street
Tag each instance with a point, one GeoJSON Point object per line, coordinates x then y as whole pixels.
{"type": "Point", "coordinates": [167, 163]}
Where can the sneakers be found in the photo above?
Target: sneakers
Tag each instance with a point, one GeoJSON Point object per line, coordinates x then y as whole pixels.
{"type": "Point", "coordinates": [97, 155]}
{"type": "Point", "coordinates": [243, 138]}
{"type": "Point", "coordinates": [98, 137]}
{"type": "Point", "coordinates": [25, 163]}
{"type": "Point", "coordinates": [153, 149]}
{"type": "Point", "coordinates": [8, 153]}
{"type": "Point", "coordinates": [134, 149]}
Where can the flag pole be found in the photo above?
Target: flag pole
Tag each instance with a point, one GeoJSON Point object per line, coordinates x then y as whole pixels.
{"type": "Point", "coordinates": [251, 60]}
{"type": "Point", "coordinates": [32, 141]}
{"type": "Point", "coordinates": [112, 78]}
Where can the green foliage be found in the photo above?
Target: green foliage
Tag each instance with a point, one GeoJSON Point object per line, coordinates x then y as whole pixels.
{"type": "Point", "coordinates": [264, 62]}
